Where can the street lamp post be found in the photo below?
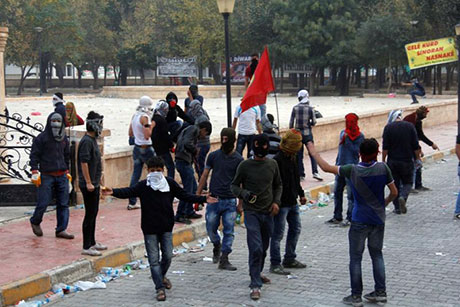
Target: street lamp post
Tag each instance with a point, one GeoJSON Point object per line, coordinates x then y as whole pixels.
{"type": "Point", "coordinates": [457, 32]}
{"type": "Point", "coordinates": [40, 64]}
{"type": "Point", "coordinates": [226, 8]}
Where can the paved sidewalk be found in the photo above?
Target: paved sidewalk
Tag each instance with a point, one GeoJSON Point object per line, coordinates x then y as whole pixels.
{"type": "Point", "coordinates": [421, 254]}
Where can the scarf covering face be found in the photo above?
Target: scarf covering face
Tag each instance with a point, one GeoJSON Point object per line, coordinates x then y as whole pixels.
{"type": "Point", "coordinates": [303, 96]}
{"type": "Point", "coordinates": [422, 112]}
{"type": "Point", "coordinates": [57, 99]}
{"type": "Point", "coordinates": [259, 141]}
{"type": "Point", "coordinates": [157, 181]}
{"type": "Point", "coordinates": [351, 127]}
{"type": "Point", "coordinates": [57, 126]}
{"type": "Point", "coordinates": [171, 98]}
{"type": "Point", "coordinates": [145, 106]}
{"type": "Point", "coordinates": [71, 114]}
{"type": "Point", "coordinates": [196, 110]}
{"type": "Point", "coordinates": [162, 108]}
{"type": "Point", "coordinates": [394, 115]}
{"type": "Point", "coordinates": [228, 146]}
{"type": "Point", "coordinates": [291, 142]}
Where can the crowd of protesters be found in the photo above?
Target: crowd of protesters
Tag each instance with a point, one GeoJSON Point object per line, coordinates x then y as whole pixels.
{"type": "Point", "coordinates": [265, 187]}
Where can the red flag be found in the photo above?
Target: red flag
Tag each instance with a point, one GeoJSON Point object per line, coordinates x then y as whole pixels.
{"type": "Point", "coordinates": [261, 84]}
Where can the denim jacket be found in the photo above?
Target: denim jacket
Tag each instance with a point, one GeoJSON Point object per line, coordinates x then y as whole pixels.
{"type": "Point", "coordinates": [349, 150]}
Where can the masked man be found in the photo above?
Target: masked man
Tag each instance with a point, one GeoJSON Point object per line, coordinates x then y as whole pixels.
{"type": "Point", "coordinates": [49, 162]}
{"type": "Point", "coordinates": [223, 163]}
{"type": "Point", "coordinates": [258, 183]}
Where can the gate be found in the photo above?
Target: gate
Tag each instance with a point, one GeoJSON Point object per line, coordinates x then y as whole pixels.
{"type": "Point", "coordinates": [16, 137]}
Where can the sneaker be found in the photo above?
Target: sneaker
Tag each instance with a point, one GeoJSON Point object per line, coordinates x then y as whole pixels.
{"type": "Point", "coordinates": [317, 177]}
{"type": "Point", "coordinates": [278, 269]}
{"type": "Point", "coordinates": [345, 223]}
{"type": "Point", "coordinates": [414, 191]}
{"type": "Point", "coordinates": [294, 264]}
{"type": "Point", "coordinates": [183, 220]}
{"type": "Point", "coordinates": [255, 294]}
{"type": "Point", "coordinates": [376, 297]}
{"type": "Point", "coordinates": [98, 246]}
{"type": "Point", "coordinates": [402, 205]}
{"type": "Point", "coordinates": [457, 216]}
{"type": "Point", "coordinates": [37, 230]}
{"type": "Point", "coordinates": [422, 188]}
{"type": "Point", "coordinates": [64, 235]}
{"type": "Point", "coordinates": [134, 207]}
{"type": "Point", "coordinates": [91, 252]}
{"type": "Point", "coordinates": [194, 216]}
{"type": "Point", "coordinates": [414, 102]}
{"type": "Point", "coordinates": [333, 221]}
{"type": "Point", "coordinates": [354, 300]}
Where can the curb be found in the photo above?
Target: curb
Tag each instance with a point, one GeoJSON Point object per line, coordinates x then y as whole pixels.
{"type": "Point", "coordinates": [86, 268]}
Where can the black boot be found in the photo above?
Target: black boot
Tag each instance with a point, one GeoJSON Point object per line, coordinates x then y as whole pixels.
{"type": "Point", "coordinates": [216, 253]}
{"type": "Point", "coordinates": [224, 264]}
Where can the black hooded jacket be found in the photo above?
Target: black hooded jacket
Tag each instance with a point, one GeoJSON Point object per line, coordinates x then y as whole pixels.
{"type": "Point", "coordinates": [176, 111]}
{"type": "Point", "coordinates": [49, 155]}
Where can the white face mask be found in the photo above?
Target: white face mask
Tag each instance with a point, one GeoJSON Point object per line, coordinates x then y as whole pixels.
{"type": "Point", "coordinates": [157, 181]}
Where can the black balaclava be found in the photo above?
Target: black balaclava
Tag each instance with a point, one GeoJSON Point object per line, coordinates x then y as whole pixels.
{"type": "Point", "coordinates": [228, 146]}
{"type": "Point", "coordinates": [171, 99]}
{"type": "Point", "coordinates": [258, 145]}
{"type": "Point", "coordinates": [56, 126]}
{"type": "Point", "coordinates": [193, 90]}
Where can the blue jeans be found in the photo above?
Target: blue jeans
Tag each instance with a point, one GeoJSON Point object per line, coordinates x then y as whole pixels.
{"type": "Point", "coordinates": [60, 186]}
{"type": "Point", "coordinates": [339, 186]}
{"type": "Point", "coordinates": [169, 164]}
{"type": "Point", "coordinates": [416, 93]}
{"type": "Point", "coordinates": [314, 165]}
{"type": "Point", "coordinates": [242, 141]}
{"type": "Point", "coordinates": [357, 237]}
{"type": "Point", "coordinates": [418, 178]}
{"type": "Point", "coordinates": [457, 206]}
{"type": "Point", "coordinates": [259, 229]}
{"type": "Point", "coordinates": [140, 156]}
{"type": "Point", "coordinates": [187, 176]}
{"type": "Point", "coordinates": [225, 208]}
{"type": "Point", "coordinates": [153, 244]}
{"type": "Point", "coordinates": [201, 159]}
{"type": "Point", "coordinates": [292, 216]}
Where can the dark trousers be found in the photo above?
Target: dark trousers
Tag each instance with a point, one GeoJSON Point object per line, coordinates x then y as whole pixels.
{"type": "Point", "coordinates": [242, 141]}
{"type": "Point", "coordinates": [403, 175]}
{"type": "Point", "coordinates": [357, 238]}
{"type": "Point", "coordinates": [259, 229]}
{"type": "Point", "coordinates": [416, 93]}
{"type": "Point", "coordinates": [314, 165]}
{"type": "Point", "coordinates": [91, 200]}
{"type": "Point", "coordinates": [59, 185]}
{"type": "Point", "coordinates": [169, 164]}
{"type": "Point", "coordinates": [187, 176]}
{"type": "Point", "coordinates": [418, 178]}
{"type": "Point", "coordinates": [291, 215]}
{"type": "Point", "coordinates": [201, 159]}
{"type": "Point", "coordinates": [158, 268]}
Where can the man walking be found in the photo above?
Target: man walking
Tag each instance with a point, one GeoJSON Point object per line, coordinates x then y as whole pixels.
{"type": "Point", "coordinates": [89, 179]}
{"type": "Point", "coordinates": [258, 183]}
{"type": "Point", "coordinates": [303, 119]}
{"type": "Point", "coordinates": [49, 162]}
{"type": "Point", "coordinates": [400, 145]}
{"type": "Point", "coordinates": [141, 129]}
{"type": "Point", "coordinates": [223, 164]}
{"type": "Point", "coordinates": [248, 126]}
{"type": "Point", "coordinates": [161, 139]}
{"type": "Point", "coordinates": [350, 140]}
{"type": "Point", "coordinates": [186, 151]}
{"type": "Point", "coordinates": [416, 118]}
{"type": "Point", "coordinates": [368, 180]}
{"type": "Point", "coordinates": [289, 209]}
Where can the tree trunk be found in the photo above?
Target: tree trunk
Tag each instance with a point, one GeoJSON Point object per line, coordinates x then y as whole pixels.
{"type": "Point", "coordinates": [438, 71]}
{"type": "Point", "coordinates": [49, 67]}
{"type": "Point", "coordinates": [21, 84]}
{"type": "Point", "coordinates": [312, 82]}
{"type": "Point", "coordinates": [123, 74]}
{"type": "Point", "coordinates": [358, 76]}
{"type": "Point", "coordinates": [79, 73]}
{"type": "Point", "coordinates": [95, 71]}
{"type": "Point", "coordinates": [333, 75]}
{"type": "Point", "coordinates": [448, 79]}
{"type": "Point", "coordinates": [427, 77]}
{"type": "Point", "coordinates": [142, 73]}
{"type": "Point", "coordinates": [366, 77]}
{"type": "Point", "coordinates": [342, 81]}
{"type": "Point", "coordinates": [282, 77]}
{"type": "Point", "coordinates": [105, 75]}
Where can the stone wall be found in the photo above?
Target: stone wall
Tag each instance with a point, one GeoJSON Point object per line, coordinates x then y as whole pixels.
{"type": "Point", "coordinates": [160, 92]}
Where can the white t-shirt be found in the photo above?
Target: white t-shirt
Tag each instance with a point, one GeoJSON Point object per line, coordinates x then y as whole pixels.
{"type": "Point", "coordinates": [247, 120]}
{"type": "Point", "coordinates": [138, 130]}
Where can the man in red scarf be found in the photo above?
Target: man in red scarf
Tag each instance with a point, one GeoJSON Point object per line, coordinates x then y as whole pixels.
{"type": "Point", "coordinates": [349, 141]}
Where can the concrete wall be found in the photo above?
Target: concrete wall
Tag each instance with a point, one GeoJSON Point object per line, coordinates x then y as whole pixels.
{"type": "Point", "coordinates": [118, 166]}
{"type": "Point", "coordinates": [160, 92]}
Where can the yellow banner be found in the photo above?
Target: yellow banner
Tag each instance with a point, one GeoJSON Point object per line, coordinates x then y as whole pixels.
{"type": "Point", "coordinates": [427, 53]}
